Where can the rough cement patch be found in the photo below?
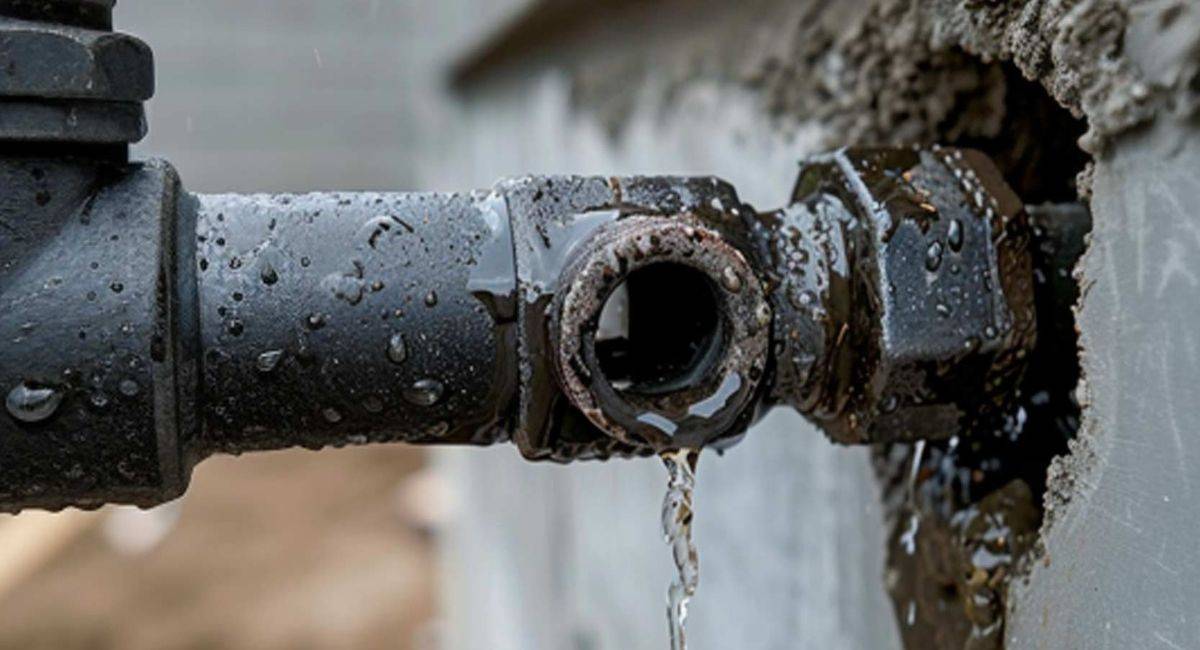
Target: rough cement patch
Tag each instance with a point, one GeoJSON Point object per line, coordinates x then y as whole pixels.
{"type": "Point", "coordinates": [1073, 48]}
{"type": "Point", "coordinates": [870, 77]}
{"type": "Point", "coordinates": [1065, 474]}
{"type": "Point", "coordinates": [897, 71]}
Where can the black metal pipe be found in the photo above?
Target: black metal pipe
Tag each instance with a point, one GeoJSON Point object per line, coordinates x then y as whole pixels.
{"type": "Point", "coordinates": [145, 328]}
{"type": "Point", "coordinates": [95, 391]}
{"type": "Point", "coordinates": [327, 319]}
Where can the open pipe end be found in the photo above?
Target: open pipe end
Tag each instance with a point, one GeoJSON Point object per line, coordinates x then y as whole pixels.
{"type": "Point", "coordinates": [661, 334]}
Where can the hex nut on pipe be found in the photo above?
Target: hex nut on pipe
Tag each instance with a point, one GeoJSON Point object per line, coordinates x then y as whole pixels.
{"type": "Point", "coordinates": [902, 281]}
{"type": "Point", "coordinates": [53, 61]}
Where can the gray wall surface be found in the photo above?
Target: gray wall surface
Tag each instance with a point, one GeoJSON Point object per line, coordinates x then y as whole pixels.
{"type": "Point", "coordinates": [302, 95]}
{"type": "Point", "coordinates": [1121, 567]}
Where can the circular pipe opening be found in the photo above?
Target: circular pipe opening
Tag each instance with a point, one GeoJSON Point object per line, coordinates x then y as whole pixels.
{"type": "Point", "coordinates": [660, 331]}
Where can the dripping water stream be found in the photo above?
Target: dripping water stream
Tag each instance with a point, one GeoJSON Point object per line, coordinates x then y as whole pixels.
{"type": "Point", "coordinates": [677, 530]}
{"type": "Point", "coordinates": [909, 538]}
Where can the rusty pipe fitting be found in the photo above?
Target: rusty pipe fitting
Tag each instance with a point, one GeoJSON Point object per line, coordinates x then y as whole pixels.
{"type": "Point", "coordinates": [684, 381]}
{"type": "Point", "coordinates": [670, 240]}
{"type": "Point", "coordinates": [902, 284]}
{"type": "Point", "coordinates": [897, 288]}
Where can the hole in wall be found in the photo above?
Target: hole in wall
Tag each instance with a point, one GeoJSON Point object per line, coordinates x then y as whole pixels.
{"type": "Point", "coordinates": [966, 521]}
{"type": "Point", "coordinates": [1035, 144]}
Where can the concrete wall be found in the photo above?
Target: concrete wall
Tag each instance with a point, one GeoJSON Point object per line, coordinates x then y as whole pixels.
{"type": "Point", "coordinates": [301, 95]}
{"type": "Point", "coordinates": [1121, 566]}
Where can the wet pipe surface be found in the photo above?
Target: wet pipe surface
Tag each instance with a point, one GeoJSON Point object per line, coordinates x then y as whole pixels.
{"type": "Point", "coordinates": [895, 290]}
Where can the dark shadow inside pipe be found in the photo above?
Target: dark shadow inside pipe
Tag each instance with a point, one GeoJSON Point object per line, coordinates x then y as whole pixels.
{"type": "Point", "coordinates": [660, 331]}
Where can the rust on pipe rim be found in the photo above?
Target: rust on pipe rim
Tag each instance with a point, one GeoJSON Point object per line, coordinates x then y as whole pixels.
{"type": "Point", "coordinates": [697, 412]}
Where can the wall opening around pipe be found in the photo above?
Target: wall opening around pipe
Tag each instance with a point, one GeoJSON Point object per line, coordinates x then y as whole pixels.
{"type": "Point", "coordinates": [966, 512]}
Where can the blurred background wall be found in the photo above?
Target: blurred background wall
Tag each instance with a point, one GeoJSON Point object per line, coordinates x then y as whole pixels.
{"type": "Point", "coordinates": [362, 548]}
